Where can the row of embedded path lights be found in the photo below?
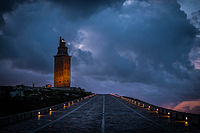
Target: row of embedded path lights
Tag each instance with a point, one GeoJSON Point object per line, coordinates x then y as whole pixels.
{"type": "Point", "coordinates": [39, 112]}
{"type": "Point", "coordinates": [187, 118]}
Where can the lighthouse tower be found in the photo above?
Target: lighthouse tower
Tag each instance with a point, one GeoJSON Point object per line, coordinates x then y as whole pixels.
{"type": "Point", "coordinates": [62, 66]}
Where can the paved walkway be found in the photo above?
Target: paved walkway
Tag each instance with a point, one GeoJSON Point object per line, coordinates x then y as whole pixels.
{"type": "Point", "coordinates": [101, 114]}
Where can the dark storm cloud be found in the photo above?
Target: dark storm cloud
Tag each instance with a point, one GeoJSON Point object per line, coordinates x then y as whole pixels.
{"type": "Point", "coordinates": [12, 76]}
{"type": "Point", "coordinates": [84, 8]}
{"type": "Point", "coordinates": [189, 6]}
{"type": "Point", "coordinates": [28, 42]}
{"type": "Point", "coordinates": [143, 42]}
{"type": "Point", "coordinates": [15, 42]}
{"type": "Point", "coordinates": [10, 5]}
{"type": "Point", "coordinates": [123, 49]}
{"type": "Point", "coordinates": [74, 8]}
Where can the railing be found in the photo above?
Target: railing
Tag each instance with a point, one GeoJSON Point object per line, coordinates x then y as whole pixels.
{"type": "Point", "coordinates": [188, 118]}
{"type": "Point", "coordinates": [35, 113]}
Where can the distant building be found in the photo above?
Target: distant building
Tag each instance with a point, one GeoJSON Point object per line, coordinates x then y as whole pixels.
{"type": "Point", "coordinates": [62, 66]}
{"type": "Point", "coordinates": [77, 89]}
{"type": "Point", "coordinates": [48, 86]}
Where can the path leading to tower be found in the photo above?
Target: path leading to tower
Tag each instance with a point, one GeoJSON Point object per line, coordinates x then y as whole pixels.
{"type": "Point", "coordinates": [100, 114]}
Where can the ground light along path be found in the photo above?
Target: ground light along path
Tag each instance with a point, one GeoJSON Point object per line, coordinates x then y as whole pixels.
{"type": "Point", "coordinates": [100, 114]}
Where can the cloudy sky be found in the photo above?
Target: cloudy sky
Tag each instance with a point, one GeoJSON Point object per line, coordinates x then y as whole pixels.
{"type": "Point", "coordinates": [146, 49]}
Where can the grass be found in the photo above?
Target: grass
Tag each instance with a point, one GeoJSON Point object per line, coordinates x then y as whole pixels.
{"type": "Point", "coordinates": [13, 101]}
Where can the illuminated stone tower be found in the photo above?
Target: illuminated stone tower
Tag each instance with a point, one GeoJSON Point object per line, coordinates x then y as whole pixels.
{"type": "Point", "coordinates": [62, 66]}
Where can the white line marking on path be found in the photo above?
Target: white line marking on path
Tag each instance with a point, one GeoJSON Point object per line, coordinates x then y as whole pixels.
{"type": "Point", "coordinates": [37, 129]}
{"type": "Point", "coordinates": [141, 115]}
{"type": "Point", "coordinates": [103, 111]}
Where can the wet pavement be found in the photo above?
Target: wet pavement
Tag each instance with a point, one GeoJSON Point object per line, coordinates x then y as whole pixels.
{"type": "Point", "coordinates": [101, 114]}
